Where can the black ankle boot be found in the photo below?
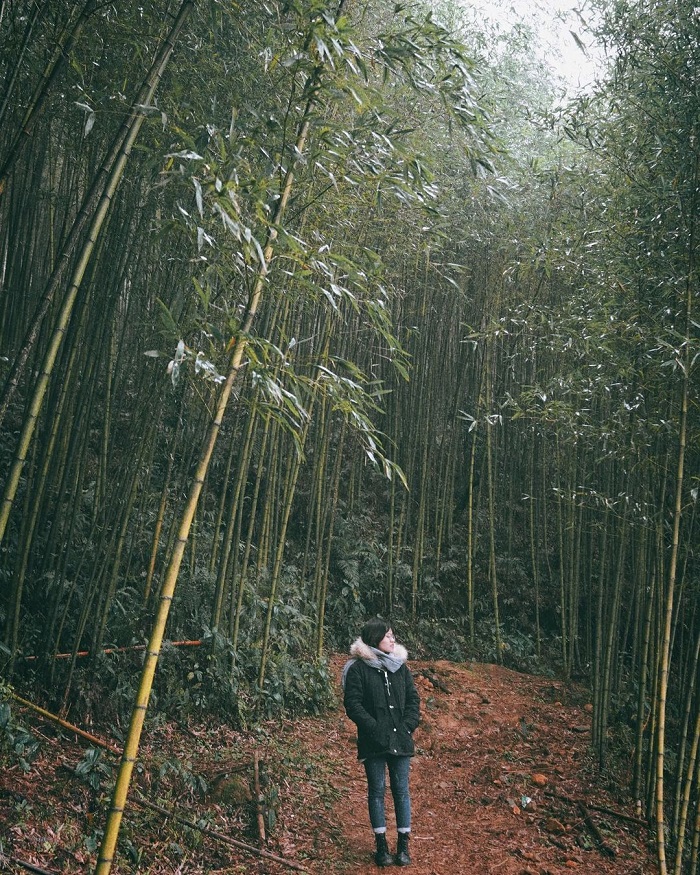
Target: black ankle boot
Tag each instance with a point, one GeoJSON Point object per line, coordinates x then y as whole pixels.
{"type": "Point", "coordinates": [402, 858]}
{"type": "Point", "coordinates": [382, 856]}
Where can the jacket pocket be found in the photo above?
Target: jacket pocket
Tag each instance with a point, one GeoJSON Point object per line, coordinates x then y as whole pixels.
{"type": "Point", "coordinates": [380, 737]}
{"type": "Point", "coordinates": [407, 738]}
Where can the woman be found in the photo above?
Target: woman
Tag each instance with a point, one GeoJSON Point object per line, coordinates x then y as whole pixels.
{"type": "Point", "coordinates": [381, 698]}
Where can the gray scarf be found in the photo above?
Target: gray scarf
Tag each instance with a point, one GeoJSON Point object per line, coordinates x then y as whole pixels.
{"type": "Point", "coordinates": [383, 661]}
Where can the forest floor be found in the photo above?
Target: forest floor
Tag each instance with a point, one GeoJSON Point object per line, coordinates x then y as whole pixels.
{"type": "Point", "coordinates": [504, 782]}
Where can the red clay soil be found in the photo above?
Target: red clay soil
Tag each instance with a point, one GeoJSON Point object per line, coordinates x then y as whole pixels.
{"type": "Point", "coordinates": [503, 783]}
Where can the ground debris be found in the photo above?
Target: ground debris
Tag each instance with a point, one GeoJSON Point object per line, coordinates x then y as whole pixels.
{"type": "Point", "coordinates": [489, 735]}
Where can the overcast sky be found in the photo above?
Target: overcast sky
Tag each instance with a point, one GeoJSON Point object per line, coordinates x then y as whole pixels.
{"type": "Point", "coordinates": [554, 20]}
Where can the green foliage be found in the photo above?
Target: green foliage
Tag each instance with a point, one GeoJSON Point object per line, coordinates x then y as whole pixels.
{"type": "Point", "coordinates": [16, 741]}
{"type": "Point", "coordinates": [520, 652]}
{"type": "Point", "coordinates": [345, 607]}
{"type": "Point", "coordinates": [93, 770]}
{"type": "Point", "coordinates": [297, 686]}
{"type": "Point", "coordinates": [436, 638]}
{"type": "Point", "coordinates": [218, 680]}
{"type": "Point", "coordinates": [202, 680]}
{"type": "Point", "coordinates": [185, 780]}
{"type": "Point", "coordinates": [358, 570]}
{"type": "Point", "coordinates": [424, 284]}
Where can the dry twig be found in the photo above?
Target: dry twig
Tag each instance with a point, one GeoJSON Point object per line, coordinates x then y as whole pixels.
{"type": "Point", "coordinates": [219, 836]}
{"type": "Point", "coordinates": [626, 817]}
{"type": "Point", "coordinates": [30, 867]}
{"type": "Point", "coordinates": [595, 832]}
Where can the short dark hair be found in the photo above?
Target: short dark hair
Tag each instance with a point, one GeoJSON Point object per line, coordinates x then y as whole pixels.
{"type": "Point", "coordinates": [374, 630]}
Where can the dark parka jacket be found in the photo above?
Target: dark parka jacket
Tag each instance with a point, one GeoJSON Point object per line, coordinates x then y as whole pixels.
{"type": "Point", "coordinates": [384, 705]}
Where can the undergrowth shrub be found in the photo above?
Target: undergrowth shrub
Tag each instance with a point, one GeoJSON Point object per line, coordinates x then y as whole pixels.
{"type": "Point", "coordinates": [296, 687]}
{"type": "Point", "coordinates": [434, 638]}
{"type": "Point", "coordinates": [93, 770]}
{"type": "Point", "coordinates": [16, 742]}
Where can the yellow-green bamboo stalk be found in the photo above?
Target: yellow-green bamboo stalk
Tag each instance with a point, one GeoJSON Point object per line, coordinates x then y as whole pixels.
{"type": "Point", "coordinates": [61, 53]}
{"type": "Point", "coordinates": [20, 52]}
{"type": "Point", "coordinates": [221, 504]}
{"type": "Point", "coordinates": [119, 540]}
{"type": "Point", "coordinates": [65, 257]}
{"type": "Point", "coordinates": [665, 655]}
{"type": "Point", "coordinates": [690, 697]}
{"type": "Point", "coordinates": [156, 639]}
{"type": "Point", "coordinates": [693, 862]}
{"type": "Point", "coordinates": [533, 550]}
{"type": "Point", "coordinates": [685, 797]}
{"type": "Point", "coordinates": [643, 673]}
{"type": "Point", "coordinates": [335, 490]}
{"type": "Point", "coordinates": [121, 788]}
{"type": "Point", "coordinates": [160, 518]}
{"type": "Point", "coordinates": [31, 517]}
{"type": "Point", "coordinates": [230, 535]}
{"type": "Point", "coordinates": [66, 310]}
{"type": "Point", "coordinates": [317, 498]}
{"type": "Point", "coordinates": [273, 474]}
{"type": "Point", "coordinates": [290, 486]}
{"type": "Point", "coordinates": [472, 507]}
{"type": "Point", "coordinates": [470, 542]}
{"type": "Point", "coordinates": [562, 571]}
{"type": "Point", "coordinates": [235, 618]}
{"type": "Point", "coordinates": [47, 715]}
{"type": "Point", "coordinates": [491, 495]}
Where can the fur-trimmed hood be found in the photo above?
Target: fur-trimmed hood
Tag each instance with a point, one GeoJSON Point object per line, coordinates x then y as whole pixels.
{"type": "Point", "coordinates": [387, 661]}
{"type": "Point", "coordinates": [360, 650]}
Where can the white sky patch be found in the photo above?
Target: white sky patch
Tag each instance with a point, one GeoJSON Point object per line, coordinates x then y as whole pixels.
{"type": "Point", "coordinates": [565, 45]}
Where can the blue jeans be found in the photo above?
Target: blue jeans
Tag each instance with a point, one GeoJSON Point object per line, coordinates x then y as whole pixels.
{"type": "Point", "coordinates": [375, 769]}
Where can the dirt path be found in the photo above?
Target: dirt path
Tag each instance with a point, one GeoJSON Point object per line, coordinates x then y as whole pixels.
{"type": "Point", "coordinates": [503, 783]}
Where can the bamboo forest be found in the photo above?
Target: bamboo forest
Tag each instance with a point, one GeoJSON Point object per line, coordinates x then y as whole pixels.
{"type": "Point", "coordinates": [312, 311]}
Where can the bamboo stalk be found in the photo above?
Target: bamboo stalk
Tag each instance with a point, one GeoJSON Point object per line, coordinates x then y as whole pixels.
{"type": "Point", "coordinates": [258, 797]}
{"type": "Point", "coordinates": [64, 317]}
{"type": "Point", "coordinates": [236, 607]}
{"type": "Point", "coordinates": [60, 57]}
{"type": "Point", "coordinates": [626, 817]}
{"type": "Point", "coordinates": [121, 788]}
{"type": "Point", "coordinates": [158, 528]}
{"type": "Point", "coordinates": [82, 653]}
{"type": "Point", "coordinates": [66, 725]}
{"type": "Point", "coordinates": [323, 594]}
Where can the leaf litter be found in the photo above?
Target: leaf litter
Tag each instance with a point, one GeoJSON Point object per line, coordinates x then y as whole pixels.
{"type": "Point", "coordinates": [504, 782]}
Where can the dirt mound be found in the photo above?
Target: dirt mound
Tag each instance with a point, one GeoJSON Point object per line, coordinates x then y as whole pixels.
{"type": "Point", "coordinates": [503, 783]}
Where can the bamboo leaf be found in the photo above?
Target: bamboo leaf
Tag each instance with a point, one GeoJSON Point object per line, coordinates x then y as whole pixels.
{"type": "Point", "coordinates": [186, 154]}
{"type": "Point", "coordinates": [167, 319]}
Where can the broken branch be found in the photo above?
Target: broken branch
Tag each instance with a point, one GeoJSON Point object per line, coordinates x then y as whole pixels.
{"type": "Point", "coordinates": [219, 837]}
{"type": "Point", "coordinates": [47, 715]}
{"type": "Point", "coordinates": [626, 817]}
{"type": "Point", "coordinates": [595, 832]}
{"type": "Point", "coordinates": [30, 867]}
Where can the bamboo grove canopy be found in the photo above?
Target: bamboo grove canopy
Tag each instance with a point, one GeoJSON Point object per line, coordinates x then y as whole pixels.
{"type": "Point", "coordinates": [313, 310]}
